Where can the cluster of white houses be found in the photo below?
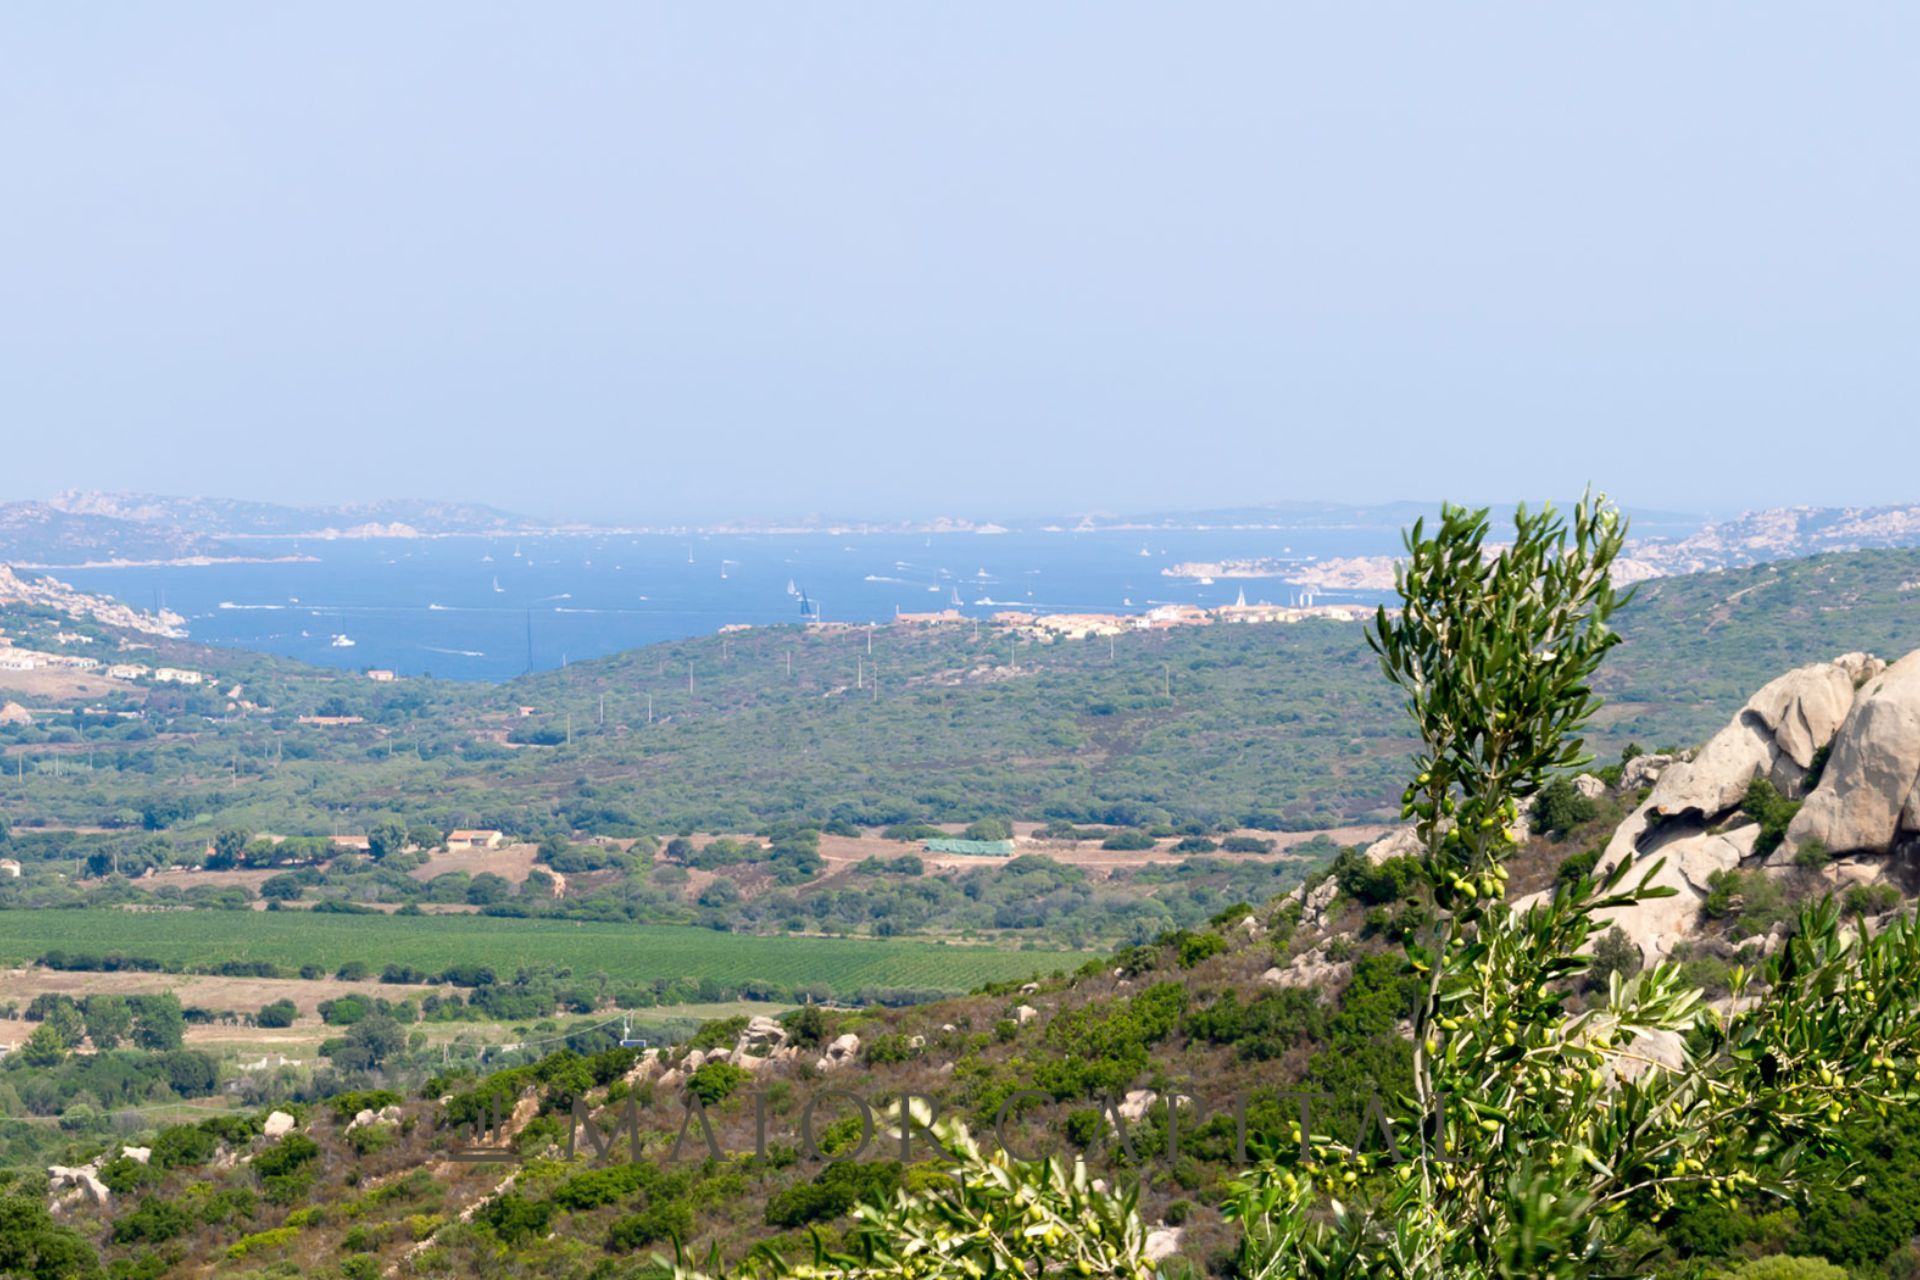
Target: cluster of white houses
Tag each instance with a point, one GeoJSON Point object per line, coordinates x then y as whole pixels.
{"type": "Point", "coordinates": [12, 659]}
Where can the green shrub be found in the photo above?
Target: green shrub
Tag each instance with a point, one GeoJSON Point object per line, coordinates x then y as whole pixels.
{"type": "Point", "coordinates": [1870, 899]}
{"type": "Point", "coordinates": [1559, 808]}
{"type": "Point", "coordinates": [1783, 1267]}
{"type": "Point", "coordinates": [668, 1220]}
{"type": "Point", "coordinates": [835, 1190]}
{"type": "Point", "coordinates": [1773, 811]}
{"type": "Point", "coordinates": [1812, 856]}
{"type": "Point", "coordinates": [1198, 947]}
{"type": "Point", "coordinates": [714, 1082]}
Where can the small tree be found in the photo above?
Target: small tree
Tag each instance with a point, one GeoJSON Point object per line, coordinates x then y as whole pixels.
{"type": "Point", "coordinates": [386, 839]}
{"type": "Point", "coordinates": [108, 1020]}
{"type": "Point", "coordinates": [44, 1048]}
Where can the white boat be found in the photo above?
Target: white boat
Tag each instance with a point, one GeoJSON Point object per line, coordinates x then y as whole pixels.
{"type": "Point", "coordinates": [342, 642]}
{"type": "Point", "coordinates": [496, 584]}
{"type": "Point", "coordinates": [791, 589]}
{"type": "Point", "coordinates": [956, 601]}
{"type": "Point", "coordinates": [1206, 582]}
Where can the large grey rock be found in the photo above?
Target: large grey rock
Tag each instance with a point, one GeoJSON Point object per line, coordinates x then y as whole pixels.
{"type": "Point", "coordinates": [1804, 708]}
{"type": "Point", "coordinates": [1163, 1243]}
{"type": "Point", "coordinates": [1870, 778]}
{"type": "Point", "coordinates": [1689, 858]}
{"type": "Point", "coordinates": [85, 1179]}
{"type": "Point", "coordinates": [1649, 1051]}
{"type": "Point", "coordinates": [278, 1125]}
{"type": "Point", "coordinates": [1714, 781]}
{"type": "Point", "coordinates": [1643, 771]}
{"type": "Point", "coordinates": [1589, 786]}
{"type": "Point", "coordinates": [1311, 970]}
{"type": "Point", "coordinates": [1775, 736]}
{"type": "Point", "coordinates": [1402, 842]}
{"type": "Point", "coordinates": [844, 1049]}
{"type": "Point", "coordinates": [1314, 903]}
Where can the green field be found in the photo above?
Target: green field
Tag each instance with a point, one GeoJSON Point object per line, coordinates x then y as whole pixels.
{"type": "Point", "coordinates": [625, 953]}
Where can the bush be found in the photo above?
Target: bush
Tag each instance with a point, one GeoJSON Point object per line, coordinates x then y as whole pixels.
{"type": "Point", "coordinates": [1199, 946]}
{"type": "Point", "coordinates": [1783, 1267]}
{"type": "Point", "coordinates": [1246, 844]}
{"type": "Point", "coordinates": [837, 1189]}
{"type": "Point", "coordinates": [1870, 899]}
{"type": "Point", "coordinates": [1773, 811]}
{"type": "Point", "coordinates": [1129, 841]}
{"type": "Point", "coordinates": [280, 1013]}
{"type": "Point", "coordinates": [1613, 953]}
{"type": "Point", "coordinates": [667, 1220]}
{"type": "Point", "coordinates": [714, 1082]}
{"type": "Point", "coordinates": [1575, 867]}
{"type": "Point", "coordinates": [1812, 856]}
{"type": "Point", "coordinates": [1373, 884]}
{"type": "Point", "coordinates": [1560, 808]}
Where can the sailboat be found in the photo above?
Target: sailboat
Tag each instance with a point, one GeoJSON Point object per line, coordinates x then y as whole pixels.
{"type": "Point", "coordinates": [792, 590]}
{"type": "Point", "coordinates": [496, 584]}
{"type": "Point", "coordinates": [956, 601]}
{"type": "Point", "coordinates": [1240, 601]}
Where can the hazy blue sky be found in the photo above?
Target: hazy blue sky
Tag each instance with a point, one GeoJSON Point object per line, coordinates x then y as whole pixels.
{"type": "Point", "coordinates": [642, 260]}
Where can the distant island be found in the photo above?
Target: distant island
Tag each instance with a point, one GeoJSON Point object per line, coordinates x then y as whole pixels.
{"type": "Point", "coordinates": [1761, 537]}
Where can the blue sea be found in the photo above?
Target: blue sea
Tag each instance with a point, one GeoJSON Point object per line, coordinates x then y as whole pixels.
{"type": "Point", "coordinates": [474, 608]}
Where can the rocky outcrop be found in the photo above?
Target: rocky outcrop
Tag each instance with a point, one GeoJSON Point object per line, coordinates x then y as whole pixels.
{"type": "Point", "coordinates": [1864, 805]}
{"type": "Point", "coordinates": [1774, 736]}
{"type": "Point", "coordinates": [1686, 865]}
{"type": "Point", "coordinates": [1163, 1243]}
{"type": "Point", "coordinates": [81, 1184]}
{"type": "Point", "coordinates": [1643, 771]}
{"type": "Point", "coordinates": [843, 1050]}
{"type": "Point", "coordinates": [1868, 790]}
{"type": "Point", "coordinates": [278, 1125]}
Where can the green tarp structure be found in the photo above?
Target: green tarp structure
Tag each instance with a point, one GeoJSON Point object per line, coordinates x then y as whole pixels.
{"type": "Point", "coordinates": [979, 848]}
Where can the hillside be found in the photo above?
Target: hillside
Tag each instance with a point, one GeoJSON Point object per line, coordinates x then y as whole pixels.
{"type": "Point", "coordinates": [1233, 1022]}
{"type": "Point", "coordinates": [1282, 726]}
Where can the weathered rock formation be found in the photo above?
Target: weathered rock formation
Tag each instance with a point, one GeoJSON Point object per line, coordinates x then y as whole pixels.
{"type": "Point", "coordinates": [1864, 803]}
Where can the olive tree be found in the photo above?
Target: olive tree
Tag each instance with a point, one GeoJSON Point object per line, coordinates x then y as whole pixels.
{"type": "Point", "coordinates": [1535, 1140]}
